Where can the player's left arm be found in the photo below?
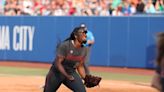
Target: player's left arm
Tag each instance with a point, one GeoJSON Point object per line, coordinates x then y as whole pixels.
{"type": "Point", "coordinates": [80, 70]}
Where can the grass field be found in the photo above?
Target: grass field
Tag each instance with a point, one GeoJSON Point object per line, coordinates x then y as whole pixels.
{"type": "Point", "coordinates": [4, 70]}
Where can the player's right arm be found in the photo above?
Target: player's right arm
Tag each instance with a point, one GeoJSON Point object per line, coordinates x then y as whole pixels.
{"type": "Point", "coordinates": [81, 70]}
{"type": "Point", "coordinates": [58, 62]}
{"type": "Point", "coordinates": [60, 56]}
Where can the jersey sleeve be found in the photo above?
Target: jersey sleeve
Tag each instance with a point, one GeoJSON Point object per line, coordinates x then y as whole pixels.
{"type": "Point", "coordinates": [61, 50]}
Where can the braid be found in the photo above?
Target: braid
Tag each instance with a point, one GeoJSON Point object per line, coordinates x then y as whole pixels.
{"type": "Point", "coordinates": [71, 37]}
{"type": "Point", "coordinates": [160, 48]}
{"type": "Point", "coordinates": [74, 32]}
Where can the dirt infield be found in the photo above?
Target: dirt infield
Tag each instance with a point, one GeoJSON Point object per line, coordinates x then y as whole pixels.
{"type": "Point", "coordinates": [35, 83]}
{"type": "Point", "coordinates": [15, 83]}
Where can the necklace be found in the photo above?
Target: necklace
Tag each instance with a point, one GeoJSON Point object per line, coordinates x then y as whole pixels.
{"type": "Point", "coordinates": [73, 42]}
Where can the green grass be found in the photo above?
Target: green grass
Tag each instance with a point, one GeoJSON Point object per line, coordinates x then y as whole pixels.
{"type": "Point", "coordinates": [42, 72]}
{"type": "Point", "coordinates": [124, 77]}
{"type": "Point", "coordinates": [23, 71]}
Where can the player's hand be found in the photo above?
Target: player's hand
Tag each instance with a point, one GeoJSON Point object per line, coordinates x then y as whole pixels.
{"type": "Point", "coordinates": [70, 77]}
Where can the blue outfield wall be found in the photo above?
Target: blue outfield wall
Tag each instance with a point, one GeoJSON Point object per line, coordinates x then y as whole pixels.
{"type": "Point", "coordinates": [120, 41]}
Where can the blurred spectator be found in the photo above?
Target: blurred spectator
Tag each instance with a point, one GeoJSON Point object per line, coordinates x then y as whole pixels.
{"type": "Point", "coordinates": [110, 8]}
{"type": "Point", "coordinates": [133, 8]}
{"type": "Point", "coordinates": [2, 4]}
{"type": "Point", "coordinates": [117, 11]}
{"type": "Point", "coordinates": [149, 7]}
{"type": "Point", "coordinates": [140, 6]}
{"type": "Point", "coordinates": [93, 4]}
{"type": "Point", "coordinates": [115, 3]}
{"type": "Point", "coordinates": [47, 8]}
{"type": "Point", "coordinates": [135, 2]}
{"type": "Point", "coordinates": [105, 8]}
{"type": "Point", "coordinates": [37, 7]}
{"type": "Point", "coordinates": [159, 6]}
{"type": "Point", "coordinates": [72, 9]}
{"type": "Point", "coordinates": [86, 11]}
{"type": "Point", "coordinates": [12, 8]}
{"type": "Point", "coordinates": [80, 7]}
{"type": "Point", "coordinates": [27, 7]}
{"type": "Point", "coordinates": [126, 8]}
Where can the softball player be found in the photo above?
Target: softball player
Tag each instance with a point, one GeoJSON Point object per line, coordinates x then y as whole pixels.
{"type": "Point", "coordinates": [160, 61]}
{"type": "Point", "coordinates": [70, 56]}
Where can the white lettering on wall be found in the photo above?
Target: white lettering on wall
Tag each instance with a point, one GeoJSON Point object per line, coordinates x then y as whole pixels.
{"type": "Point", "coordinates": [23, 38]}
{"type": "Point", "coordinates": [4, 38]}
{"type": "Point", "coordinates": [15, 44]}
{"type": "Point", "coordinates": [31, 37]}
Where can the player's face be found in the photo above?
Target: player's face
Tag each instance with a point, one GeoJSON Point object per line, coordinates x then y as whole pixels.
{"type": "Point", "coordinates": [81, 36]}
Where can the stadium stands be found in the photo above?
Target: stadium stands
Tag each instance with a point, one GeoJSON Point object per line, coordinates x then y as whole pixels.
{"type": "Point", "coordinates": [81, 7]}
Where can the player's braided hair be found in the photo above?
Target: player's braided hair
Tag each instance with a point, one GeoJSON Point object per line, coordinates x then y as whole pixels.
{"type": "Point", "coordinates": [74, 32]}
{"type": "Point", "coordinates": [160, 47]}
{"type": "Point", "coordinates": [71, 37]}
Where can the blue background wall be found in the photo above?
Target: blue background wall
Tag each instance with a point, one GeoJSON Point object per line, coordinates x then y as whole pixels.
{"type": "Point", "coordinates": [120, 41]}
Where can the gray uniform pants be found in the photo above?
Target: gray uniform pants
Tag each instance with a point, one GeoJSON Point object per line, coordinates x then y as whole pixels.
{"type": "Point", "coordinates": [55, 79]}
